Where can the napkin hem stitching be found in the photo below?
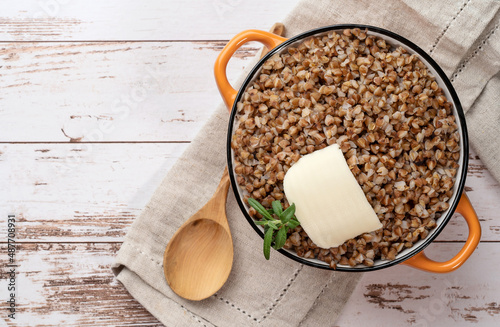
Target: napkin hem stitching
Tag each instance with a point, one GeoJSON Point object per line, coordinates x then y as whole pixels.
{"type": "Point", "coordinates": [196, 317]}
{"type": "Point", "coordinates": [316, 299]}
{"type": "Point", "coordinates": [448, 26]}
{"type": "Point", "coordinates": [467, 60]}
{"type": "Point", "coordinates": [283, 293]}
{"type": "Point", "coordinates": [146, 255]}
{"type": "Point", "coordinates": [242, 311]}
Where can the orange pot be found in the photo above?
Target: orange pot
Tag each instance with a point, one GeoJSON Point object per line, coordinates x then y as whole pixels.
{"type": "Point", "coordinates": [414, 256]}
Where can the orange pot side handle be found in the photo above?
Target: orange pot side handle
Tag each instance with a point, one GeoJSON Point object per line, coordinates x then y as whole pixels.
{"type": "Point", "coordinates": [421, 261]}
{"type": "Point", "coordinates": [227, 92]}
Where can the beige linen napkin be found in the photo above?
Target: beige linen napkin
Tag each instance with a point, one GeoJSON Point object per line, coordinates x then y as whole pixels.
{"type": "Point", "coordinates": [462, 36]}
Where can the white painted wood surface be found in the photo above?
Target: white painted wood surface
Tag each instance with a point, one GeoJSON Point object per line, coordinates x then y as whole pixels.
{"type": "Point", "coordinates": [110, 91]}
{"type": "Point", "coordinates": [56, 20]}
{"type": "Point", "coordinates": [68, 284]}
{"type": "Point", "coordinates": [67, 69]}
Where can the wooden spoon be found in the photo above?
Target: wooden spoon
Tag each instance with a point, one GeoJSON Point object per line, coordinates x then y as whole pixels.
{"type": "Point", "coordinates": [199, 257]}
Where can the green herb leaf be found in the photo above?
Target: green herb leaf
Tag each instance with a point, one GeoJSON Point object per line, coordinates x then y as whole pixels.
{"type": "Point", "coordinates": [280, 238]}
{"type": "Point", "coordinates": [260, 222]}
{"type": "Point", "coordinates": [272, 225]}
{"type": "Point", "coordinates": [292, 223]}
{"type": "Point", "coordinates": [268, 238]}
{"type": "Point", "coordinates": [288, 213]}
{"type": "Point", "coordinates": [277, 208]}
{"type": "Point", "coordinates": [260, 209]}
{"type": "Point", "coordinates": [275, 230]}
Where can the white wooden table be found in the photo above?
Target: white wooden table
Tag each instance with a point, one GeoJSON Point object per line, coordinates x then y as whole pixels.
{"type": "Point", "coordinates": [98, 100]}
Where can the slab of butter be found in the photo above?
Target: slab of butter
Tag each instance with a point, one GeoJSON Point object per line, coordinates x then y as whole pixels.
{"type": "Point", "coordinates": [330, 205]}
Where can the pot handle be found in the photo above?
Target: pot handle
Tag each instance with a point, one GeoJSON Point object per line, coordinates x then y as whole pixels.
{"type": "Point", "coordinates": [227, 92]}
{"type": "Point", "coordinates": [421, 261]}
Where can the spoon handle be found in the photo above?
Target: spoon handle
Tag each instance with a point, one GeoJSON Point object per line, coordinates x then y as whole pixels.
{"type": "Point", "coordinates": [278, 29]}
{"type": "Point", "coordinates": [222, 189]}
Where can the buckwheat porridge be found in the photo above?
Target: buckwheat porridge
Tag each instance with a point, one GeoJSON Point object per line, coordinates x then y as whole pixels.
{"type": "Point", "coordinates": [389, 116]}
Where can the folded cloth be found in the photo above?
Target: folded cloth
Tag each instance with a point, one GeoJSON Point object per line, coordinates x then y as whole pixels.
{"type": "Point", "coordinates": [463, 37]}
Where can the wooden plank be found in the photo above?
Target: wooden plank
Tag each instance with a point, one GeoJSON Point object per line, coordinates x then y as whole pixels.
{"type": "Point", "coordinates": [93, 192]}
{"type": "Point", "coordinates": [54, 20]}
{"type": "Point", "coordinates": [89, 192]}
{"type": "Point", "coordinates": [112, 91]}
{"type": "Point", "coordinates": [403, 296]}
{"type": "Point", "coordinates": [70, 285]}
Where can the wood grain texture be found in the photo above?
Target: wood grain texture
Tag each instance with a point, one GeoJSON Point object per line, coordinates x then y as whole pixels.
{"type": "Point", "coordinates": [93, 192]}
{"type": "Point", "coordinates": [110, 91]}
{"type": "Point", "coordinates": [403, 296]}
{"type": "Point", "coordinates": [55, 20]}
{"type": "Point", "coordinates": [70, 285]}
{"type": "Point", "coordinates": [56, 189]}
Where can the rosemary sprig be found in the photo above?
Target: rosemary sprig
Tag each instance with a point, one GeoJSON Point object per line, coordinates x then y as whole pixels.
{"type": "Point", "coordinates": [276, 222]}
